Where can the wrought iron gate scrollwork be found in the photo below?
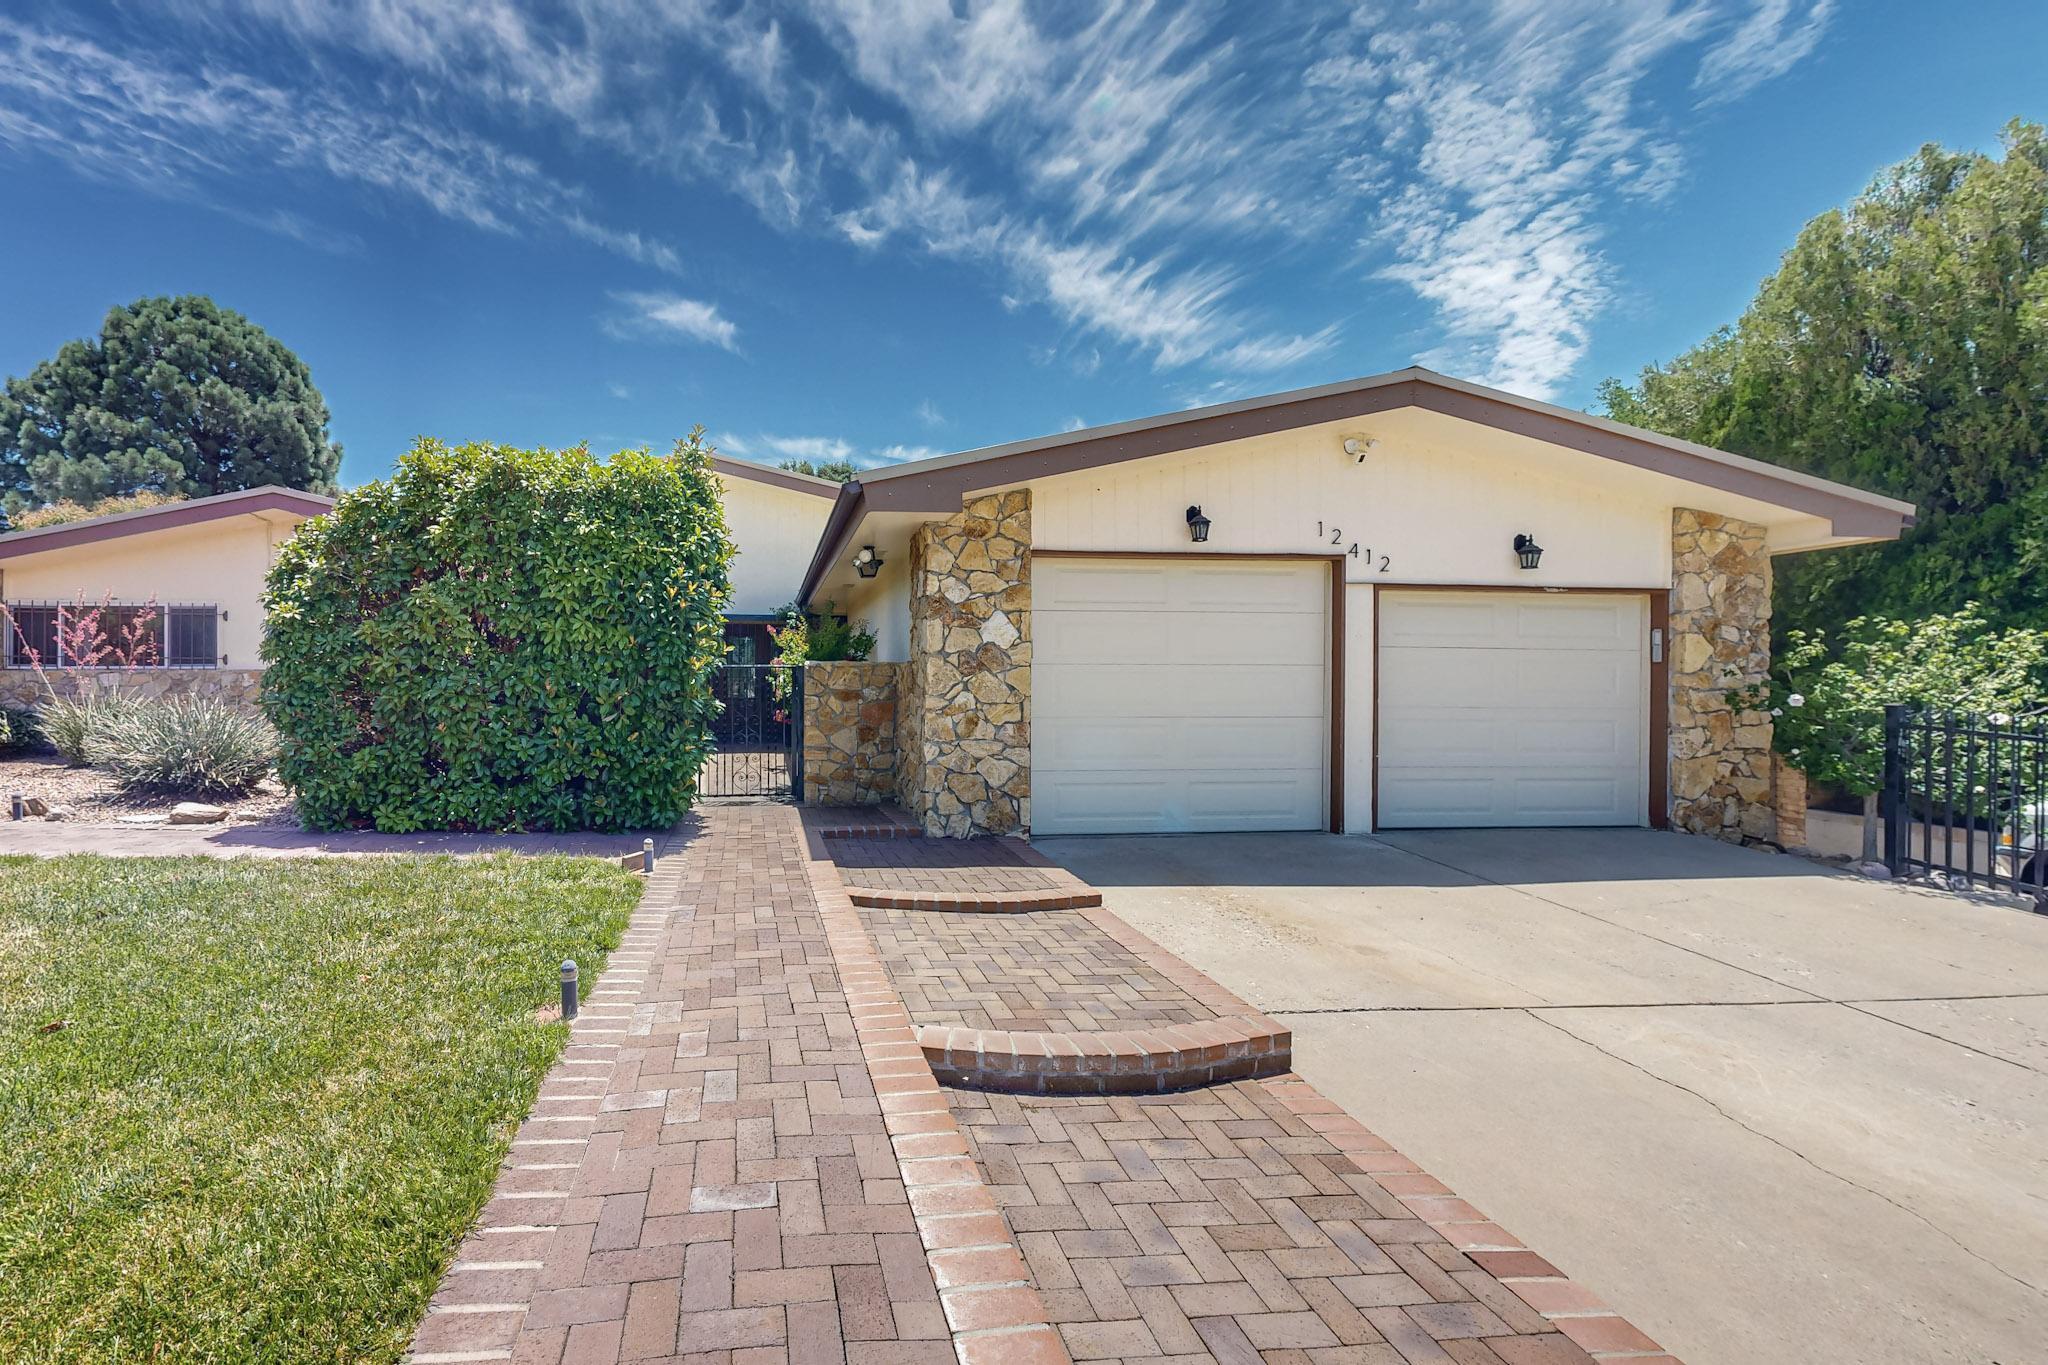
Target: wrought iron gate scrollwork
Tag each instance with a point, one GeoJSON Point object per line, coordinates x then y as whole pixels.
{"type": "Point", "coordinates": [758, 735]}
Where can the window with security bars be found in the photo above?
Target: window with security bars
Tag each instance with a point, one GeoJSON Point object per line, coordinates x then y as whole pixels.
{"type": "Point", "coordinates": [112, 635]}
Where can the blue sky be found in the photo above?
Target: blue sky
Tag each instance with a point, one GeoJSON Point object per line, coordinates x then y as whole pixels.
{"type": "Point", "coordinates": [881, 230]}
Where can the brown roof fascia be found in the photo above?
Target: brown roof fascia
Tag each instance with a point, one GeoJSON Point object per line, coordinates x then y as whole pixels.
{"type": "Point", "coordinates": [780, 478]}
{"type": "Point", "coordinates": [162, 519]}
{"type": "Point", "coordinates": [839, 526]}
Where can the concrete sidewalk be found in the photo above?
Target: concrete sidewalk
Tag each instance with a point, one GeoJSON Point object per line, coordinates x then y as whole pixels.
{"type": "Point", "coordinates": [46, 839]}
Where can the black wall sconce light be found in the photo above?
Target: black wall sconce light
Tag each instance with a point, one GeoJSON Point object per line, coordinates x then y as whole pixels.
{"type": "Point", "coordinates": [1198, 525]}
{"type": "Point", "coordinates": [867, 563]}
{"type": "Point", "coordinates": [1528, 551]}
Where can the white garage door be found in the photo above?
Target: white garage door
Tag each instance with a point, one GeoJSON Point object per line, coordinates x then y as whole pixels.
{"type": "Point", "coordinates": [1178, 695]}
{"type": "Point", "coordinates": [1512, 709]}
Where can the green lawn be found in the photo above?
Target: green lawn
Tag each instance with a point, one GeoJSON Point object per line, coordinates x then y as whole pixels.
{"type": "Point", "coordinates": [248, 1108]}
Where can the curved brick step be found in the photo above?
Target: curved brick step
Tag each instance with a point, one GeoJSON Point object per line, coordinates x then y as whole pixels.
{"type": "Point", "coordinates": [977, 903]}
{"type": "Point", "coordinates": [1138, 1061]}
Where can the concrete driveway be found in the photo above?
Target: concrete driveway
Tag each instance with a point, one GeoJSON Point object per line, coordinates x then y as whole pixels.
{"type": "Point", "coordinates": [1772, 1113]}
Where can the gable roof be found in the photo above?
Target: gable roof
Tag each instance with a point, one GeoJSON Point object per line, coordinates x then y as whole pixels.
{"type": "Point", "coordinates": [780, 478]}
{"type": "Point", "coordinates": [938, 484]}
{"type": "Point", "coordinates": [269, 498]}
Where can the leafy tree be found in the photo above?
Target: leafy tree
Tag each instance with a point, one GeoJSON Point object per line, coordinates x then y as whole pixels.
{"type": "Point", "coordinates": [1902, 345]}
{"type": "Point", "coordinates": [177, 396]}
{"type": "Point", "coordinates": [839, 471]}
{"type": "Point", "coordinates": [502, 639]}
{"type": "Point", "coordinates": [1827, 704]}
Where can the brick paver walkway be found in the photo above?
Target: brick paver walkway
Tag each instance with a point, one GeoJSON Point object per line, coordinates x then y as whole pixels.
{"type": "Point", "coordinates": [744, 1158]}
{"type": "Point", "coordinates": [961, 866]}
{"type": "Point", "coordinates": [1050, 971]}
{"type": "Point", "coordinates": [706, 1174]}
{"type": "Point", "coordinates": [1216, 1223]}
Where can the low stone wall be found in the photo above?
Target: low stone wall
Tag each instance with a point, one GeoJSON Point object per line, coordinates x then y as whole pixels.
{"type": "Point", "coordinates": [1720, 639]}
{"type": "Point", "coordinates": [21, 686]}
{"type": "Point", "coordinates": [850, 733]}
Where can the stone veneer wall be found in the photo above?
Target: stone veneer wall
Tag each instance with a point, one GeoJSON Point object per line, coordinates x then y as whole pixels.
{"type": "Point", "coordinates": [1720, 638]}
{"type": "Point", "coordinates": [21, 687]}
{"type": "Point", "coordinates": [850, 733]}
{"type": "Point", "coordinates": [966, 732]}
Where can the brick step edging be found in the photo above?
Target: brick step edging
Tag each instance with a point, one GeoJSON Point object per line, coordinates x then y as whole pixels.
{"type": "Point", "coordinates": [1132, 1062]}
{"type": "Point", "coordinates": [975, 903]}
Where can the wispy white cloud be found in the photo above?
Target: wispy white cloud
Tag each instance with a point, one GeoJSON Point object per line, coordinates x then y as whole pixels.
{"type": "Point", "coordinates": [929, 414]}
{"type": "Point", "coordinates": [1773, 38]}
{"type": "Point", "coordinates": [187, 130]}
{"type": "Point", "coordinates": [1130, 175]}
{"type": "Point", "coordinates": [672, 315]}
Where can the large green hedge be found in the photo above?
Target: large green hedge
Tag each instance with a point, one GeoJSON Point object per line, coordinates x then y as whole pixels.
{"type": "Point", "coordinates": [502, 639]}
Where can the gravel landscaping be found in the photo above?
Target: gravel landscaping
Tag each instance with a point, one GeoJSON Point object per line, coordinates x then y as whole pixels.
{"type": "Point", "coordinates": [93, 797]}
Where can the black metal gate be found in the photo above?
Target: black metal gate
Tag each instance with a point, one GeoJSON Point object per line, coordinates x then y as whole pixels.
{"type": "Point", "coordinates": [759, 733]}
{"type": "Point", "coordinates": [1966, 797]}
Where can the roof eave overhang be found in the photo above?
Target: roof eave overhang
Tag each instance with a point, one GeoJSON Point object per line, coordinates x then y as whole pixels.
{"type": "Point", "coordinates": [194, 513]}
{"type": "Point", "coordinates": [940, 485]}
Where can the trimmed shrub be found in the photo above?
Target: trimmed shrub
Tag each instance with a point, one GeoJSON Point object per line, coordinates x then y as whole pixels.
{"type": "Point", "coordinates": [502, 639]}
{"type": "Point", "coordinates": [72, 725]}
{"type": "Point", "coordinates": [189, 744]}
{"type": "Point", "coordinates": [24, 730]}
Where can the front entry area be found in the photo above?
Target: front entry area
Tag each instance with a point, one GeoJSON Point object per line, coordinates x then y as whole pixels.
{"type": "Point", "coordinates": [1175, 695]}
{"type": "Point", "coordinates": [1513, 708]}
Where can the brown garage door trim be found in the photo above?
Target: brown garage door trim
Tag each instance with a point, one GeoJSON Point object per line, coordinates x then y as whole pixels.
{"type": "Point", "coordinates": [1336, 679]}
{"type": "Point", "coordinates": [1659, 759]}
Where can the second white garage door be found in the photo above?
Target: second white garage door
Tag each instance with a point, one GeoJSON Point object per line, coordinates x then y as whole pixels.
{"type": "Point", "coordinates": [1513, 709]}
{"type": "Point", "coordinates": [1179, 695]}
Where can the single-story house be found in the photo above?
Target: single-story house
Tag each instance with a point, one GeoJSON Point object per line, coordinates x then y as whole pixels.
{"type": "Point", "coordinates": [196, 567]}
{"type": "Point", "coordinates": [1393, 602]}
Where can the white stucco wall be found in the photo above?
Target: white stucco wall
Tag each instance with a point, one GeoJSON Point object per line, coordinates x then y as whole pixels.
{"type": "Point", "coordinates": [884, 603]}
{"type": "Point", "coordinates": [219, 562]}
{"type": "Point", "coordinates": [1429, 514]}
{"type": "Point", "coordinates": [775, 530]}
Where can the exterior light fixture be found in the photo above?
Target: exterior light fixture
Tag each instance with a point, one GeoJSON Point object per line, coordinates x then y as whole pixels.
{"type": "Point", "coordinates": [1528, 551]}
{"type": "Point", "coordinates": [1360, 446]}
{"type": "Point", "coordinates": [867, 563]}
{"type": "Point", "coordinates": [1198, 525]}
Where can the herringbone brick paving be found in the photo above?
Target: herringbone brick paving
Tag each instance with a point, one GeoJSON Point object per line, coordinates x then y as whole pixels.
{"type": "Point", "coordinates": [1215, 1224]}
{"type": "Point", "coordinates": [1048, 971]}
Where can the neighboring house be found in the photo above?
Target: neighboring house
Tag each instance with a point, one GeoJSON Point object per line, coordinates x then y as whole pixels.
{"type": "Point", "coordinates": [194, 570]}
{"type": "Point", "coordinates": [1354, 632]}
{"type": "Point", "coordinates": [774, 518]}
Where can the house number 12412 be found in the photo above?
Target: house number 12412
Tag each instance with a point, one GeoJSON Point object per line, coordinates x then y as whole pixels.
{"type": "Point", "coordinates": [1336, 537]}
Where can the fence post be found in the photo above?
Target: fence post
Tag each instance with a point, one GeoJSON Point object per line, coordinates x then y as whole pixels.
{"type": "Point", "coordinates": [1894, 791]}
{"type": "Point", "coordinates": [796, 734]}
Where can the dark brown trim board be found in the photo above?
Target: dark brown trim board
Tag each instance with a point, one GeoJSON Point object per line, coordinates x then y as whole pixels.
{"type": "Point", "coordinates": [1336, 617]}
{"type": "Point", "coordinates": [1658, 758]}
{"type": "Point", "coordinates": [192, 513]}
{"type": "Point", "coordinates": [780, 478]}
{"type": "Point", "coordinates": [1660, 710]}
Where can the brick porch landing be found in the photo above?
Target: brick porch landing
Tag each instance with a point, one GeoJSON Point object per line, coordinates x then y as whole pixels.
{"type": "Point", "coordinates": [743, 1158]}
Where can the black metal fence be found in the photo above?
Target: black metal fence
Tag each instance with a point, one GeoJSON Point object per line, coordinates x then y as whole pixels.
{"type": "Point", "coordinates": [759, 733]}
{"type": "Point", "coordinates": [1966, 797]}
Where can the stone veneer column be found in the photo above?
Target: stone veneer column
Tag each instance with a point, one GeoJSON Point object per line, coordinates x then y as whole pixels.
{"type": "Point", "coordinates": [849, 733]}
{"type": "Point", "coordinates": [966, 729]}
{"type": "Point", "coordinates": [1720, 639]}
